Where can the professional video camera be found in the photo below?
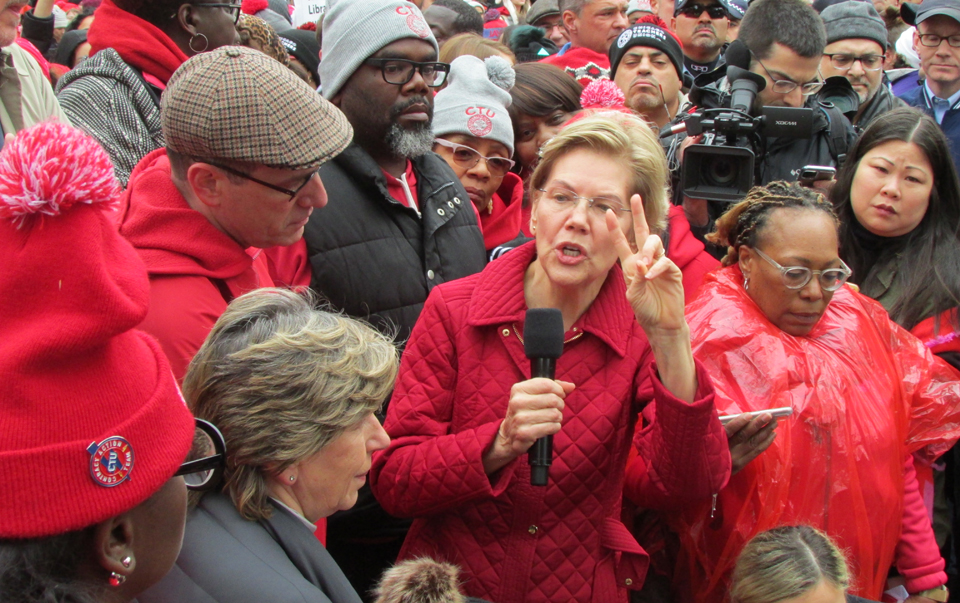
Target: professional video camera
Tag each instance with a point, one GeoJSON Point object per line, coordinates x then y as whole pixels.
{"type": "Point", "coordinates": [723, 166]}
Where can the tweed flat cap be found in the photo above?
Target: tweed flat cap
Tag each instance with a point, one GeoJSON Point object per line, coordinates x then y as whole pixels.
{"type": "Point", "coordinates": [239, 104]}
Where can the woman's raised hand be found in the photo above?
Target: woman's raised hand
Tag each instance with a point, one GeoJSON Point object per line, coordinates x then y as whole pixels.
{"type": "Point", "coordinates": [654, 283]}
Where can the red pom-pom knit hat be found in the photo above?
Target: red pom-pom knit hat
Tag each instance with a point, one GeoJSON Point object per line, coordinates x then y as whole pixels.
{"type": "Point", "coordinates": [91, 420]}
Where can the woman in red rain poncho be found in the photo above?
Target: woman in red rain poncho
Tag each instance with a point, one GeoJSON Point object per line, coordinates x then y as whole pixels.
{"type": "Point", "coordinates": [776, 327]}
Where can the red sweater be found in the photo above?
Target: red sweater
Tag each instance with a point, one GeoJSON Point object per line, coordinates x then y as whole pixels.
{"type": "Point", "coordinates": [518, 543]}
{"type": "Point", "coordinates": [583, 64]}
{"type": "Point", "coordinates": [193, 267]}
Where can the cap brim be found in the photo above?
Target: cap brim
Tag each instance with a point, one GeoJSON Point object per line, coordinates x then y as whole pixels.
{"type": "Point", "coordinates": [922, 15]}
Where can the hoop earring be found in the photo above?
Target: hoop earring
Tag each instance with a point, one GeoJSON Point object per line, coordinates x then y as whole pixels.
{"type": "Point", "coordinates": [116, 579]}
{"type": "Point", "coordinates": [206, 43]}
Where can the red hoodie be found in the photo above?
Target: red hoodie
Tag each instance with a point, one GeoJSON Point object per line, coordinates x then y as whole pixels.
{"type": "Point", "coordinates": [194, 268]}
{"type": "Point", "coordinates": [687, 252]}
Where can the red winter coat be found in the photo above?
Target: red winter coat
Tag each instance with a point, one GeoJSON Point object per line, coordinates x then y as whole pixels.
{"type": "Point", "coordinates": [516, 542]}
{"type": "Point", "coordinates": [193, 266]}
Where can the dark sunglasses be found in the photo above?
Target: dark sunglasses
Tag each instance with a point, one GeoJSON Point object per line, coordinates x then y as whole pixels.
{"type": "Point", "coordinates": [207, 458]}
{"type": "Point", "coordinates": [234, 9]}
{"type": "Point", "coordinates": [715, 11]}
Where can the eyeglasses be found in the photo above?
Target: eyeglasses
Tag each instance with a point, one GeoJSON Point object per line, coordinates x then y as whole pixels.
{"type": "Point", "coordinates": [468, 157]}
{"type": "Point", "coordinates": [400, 71]}
{"type": "Point", "coordinates": [286, 191]}
{"type": "Point", "coordinates": [562, 199]}
{"type": "Point", "coordinates": [788, 86]}
{"type": "Point", "coordinates": [207, 457]}
{"type": "Point", "coordinates": [933, 40]}
{"type": "Point", "coordinates": [843, 62]}
{"type": "Point", "coordinates": [797, 277]}
{"type": "Point", "coordinates": [715, 11]}
{"type": "Point", "coordinates": [234, 9]}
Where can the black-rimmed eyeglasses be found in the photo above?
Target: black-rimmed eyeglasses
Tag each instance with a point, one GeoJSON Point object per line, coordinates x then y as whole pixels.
{"type": "Point", "coordinates": [286, 191]}
{"type": "Point", "coordinates": [400, 71]}
{"type": "Point", "coordinates": [234, 9]}
{"type": "Point", "coordinates": [843, 61]}
{"type": "Point", "coordinates": [797, 277]}
{"type": "Point", "coordinates": [933, 40]}
{"type": "Point", "coordinates": [207, 457]}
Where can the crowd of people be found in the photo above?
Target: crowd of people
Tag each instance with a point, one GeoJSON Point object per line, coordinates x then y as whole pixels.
{"type": "Point", "coordinates": [291, 353]}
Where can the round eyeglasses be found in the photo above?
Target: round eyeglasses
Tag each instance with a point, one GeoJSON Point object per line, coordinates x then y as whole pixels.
{"type": "Point", "coordinates": [206, 459]}
{"type": "Point", "coordinates": [797, 277]}
{"type": "Point", "coordinates": [468, 157]}
{"type": "Point", "coordinates": [788, 86]}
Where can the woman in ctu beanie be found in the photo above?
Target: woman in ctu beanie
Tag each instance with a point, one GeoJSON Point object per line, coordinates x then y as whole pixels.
{"type": "Point", "coordinates": [475, 137]}
{"type": "Point", "coordinates": [92, 426]}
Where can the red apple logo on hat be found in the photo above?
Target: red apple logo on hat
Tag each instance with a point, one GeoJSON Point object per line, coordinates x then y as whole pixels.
{"type": "Point", "coordinates": [415, 20]}
{"type": "Point", "coordinates": [479, 120]}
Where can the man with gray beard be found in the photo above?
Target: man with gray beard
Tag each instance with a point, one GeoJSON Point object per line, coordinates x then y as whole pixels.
{"type": "Point", "coordinates": [398, 222]}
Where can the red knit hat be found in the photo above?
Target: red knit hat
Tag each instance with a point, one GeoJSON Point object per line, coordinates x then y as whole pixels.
{"type": "Point", "coordinates": [91, 420]}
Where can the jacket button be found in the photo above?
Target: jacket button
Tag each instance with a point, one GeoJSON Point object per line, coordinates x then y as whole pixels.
{"type": "Point", "coordinates": [430, 274]}
{"type": "Point", "coordinates": [628, 582]}
{"type": "Point", "coordinates": [506, 332]}
{"type": "Point", "coordinates": [533, 529]}
{"type": "Point", "coordinates": [450, 203]}
{"type": "Point", "coordinates": [441, 212]}
{"type": "Point", "coordinates": [456, 200]}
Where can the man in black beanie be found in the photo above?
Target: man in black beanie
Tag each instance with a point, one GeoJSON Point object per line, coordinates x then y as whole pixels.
{"type": "Point", "coordinates": [646, 63]}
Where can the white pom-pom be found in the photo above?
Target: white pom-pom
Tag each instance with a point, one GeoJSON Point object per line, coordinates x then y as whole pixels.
{"type": "Point", "coordinates": [500, 72]}
{"type": "Point", "coordinates": [50, 167]}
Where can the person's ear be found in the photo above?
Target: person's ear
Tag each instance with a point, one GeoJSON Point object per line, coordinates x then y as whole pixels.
{"type": "Point", "coordinates": [745, 260]}
{"type": "Point", "coordinates": [113, 549]}
{"type": "Point", "coordinates": [187, 18]}
{"type": "Point", "coordinates": [569, 20]}
{"type": "Point", "coordinates": [673, 24]}
{"type": "Point", "coordinates": [207, 183]}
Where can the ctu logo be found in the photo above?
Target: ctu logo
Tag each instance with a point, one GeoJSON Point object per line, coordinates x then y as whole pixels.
{"type": "Point", "coordinates": [482, 111]}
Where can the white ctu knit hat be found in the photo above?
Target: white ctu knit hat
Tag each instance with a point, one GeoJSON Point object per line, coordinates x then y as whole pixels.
{"type": "Point", "coordinates": [353, 30]}
{"type": "Point", "coordinates": [475, 101]}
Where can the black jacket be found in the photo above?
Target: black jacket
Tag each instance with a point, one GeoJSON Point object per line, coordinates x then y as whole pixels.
{"type": "Point", "coordinates": [227, 559]}
{"type": "Point", "coordinates": [785, 157]}
{"type": "Point", "coordinates": [376, 259]}
{"type": "Point", "coordinates": [882, 101]}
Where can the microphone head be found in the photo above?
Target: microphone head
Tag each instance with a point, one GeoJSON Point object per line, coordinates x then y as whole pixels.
{"type": "Point", "coordinates": [737, 54]}
{"type": "Point", "coordinates": [543, 333]}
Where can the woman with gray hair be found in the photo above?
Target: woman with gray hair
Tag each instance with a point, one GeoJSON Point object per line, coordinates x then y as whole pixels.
{"type": "Point", "coordinates": [294, 390]}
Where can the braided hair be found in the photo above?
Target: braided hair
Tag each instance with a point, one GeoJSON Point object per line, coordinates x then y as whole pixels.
{"type": "Point", "coordinates": [742, 223]}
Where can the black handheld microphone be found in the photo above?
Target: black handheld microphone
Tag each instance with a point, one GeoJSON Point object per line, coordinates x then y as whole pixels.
{"type": "Point", "coordinates": [542, 344]}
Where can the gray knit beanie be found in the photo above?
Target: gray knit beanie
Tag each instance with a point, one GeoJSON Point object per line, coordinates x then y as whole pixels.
{"type": "Point", "coordinates": [854, 19]}
{"type": "Point", "coordinates": [353, 30]}
{"type": "Point", "coordinates": [475, 101]}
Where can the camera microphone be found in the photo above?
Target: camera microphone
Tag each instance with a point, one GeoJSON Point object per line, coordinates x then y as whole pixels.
{"type": "Point", "coordinates": [542, 344]}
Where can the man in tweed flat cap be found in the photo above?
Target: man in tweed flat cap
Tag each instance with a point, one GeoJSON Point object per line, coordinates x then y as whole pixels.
{"type": "Point", "coordinates": [245, 138]}
{"type": "Point", "coordinates": [399, 222]}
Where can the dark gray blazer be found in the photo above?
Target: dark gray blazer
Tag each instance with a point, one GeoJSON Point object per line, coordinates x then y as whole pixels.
{"type": "Point", "coordinates": [227, 559]}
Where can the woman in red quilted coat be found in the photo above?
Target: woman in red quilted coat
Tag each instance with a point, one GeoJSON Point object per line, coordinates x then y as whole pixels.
{"type": "Point", "coordinates": [465, 410]}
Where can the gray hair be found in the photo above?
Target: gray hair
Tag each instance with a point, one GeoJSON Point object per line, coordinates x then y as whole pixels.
{"type": "Point", "coordinates": [281, 380]}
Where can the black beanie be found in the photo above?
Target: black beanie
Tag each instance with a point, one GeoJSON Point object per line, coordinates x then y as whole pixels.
{"type": "Point", "coordinates": [647, 34]}
{"type": "Point", "coordinates": [302, 45]}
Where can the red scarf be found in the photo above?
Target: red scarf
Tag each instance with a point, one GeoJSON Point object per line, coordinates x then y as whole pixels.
{"type": "Point", "coordinates": [140, 44]}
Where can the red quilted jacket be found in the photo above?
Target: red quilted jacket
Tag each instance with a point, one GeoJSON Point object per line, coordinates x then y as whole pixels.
{"type": "Point", "coordinates": [516, 542]}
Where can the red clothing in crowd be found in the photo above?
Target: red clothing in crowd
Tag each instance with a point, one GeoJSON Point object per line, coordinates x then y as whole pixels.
{"type": "Point", "coordinates": [194, 268]}
{"type": "Point", "coordinates": [866, 396]}
{"type": "Point", "coordinates": [583, 64]}
{"type": "Point", "coordinates": [688, 253]}
{"type": "Point", "coordinates": [502, 223]}
{"type": "Point", "coordinates": [516, 542]}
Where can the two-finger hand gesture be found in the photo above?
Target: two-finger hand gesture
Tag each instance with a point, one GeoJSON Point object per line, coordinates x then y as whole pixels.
{"type": "Point", "coordinates": [654, 283]}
